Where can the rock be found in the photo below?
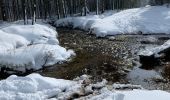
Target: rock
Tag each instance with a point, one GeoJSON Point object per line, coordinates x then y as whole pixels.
{"type": "Point", "coordinates": [126, 86]}
{"type": "Point", "coordinates": [111, 38]}
{"type": "Point", "coordinates": [164, 38]}
{"type": "Point", "coordinates": [159, 79]}
{"type": "Point", "coordinates": [152, 56]}
{"type": "Point", "coordinates": [99, 85]}
{"type": "Point", "coordinates": [147, 61]}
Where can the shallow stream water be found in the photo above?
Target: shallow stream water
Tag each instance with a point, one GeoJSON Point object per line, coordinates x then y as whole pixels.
{"type": "Point", "coordinates": [111, 58]}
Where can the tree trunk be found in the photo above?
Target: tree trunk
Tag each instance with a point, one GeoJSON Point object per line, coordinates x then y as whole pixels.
{"type": "Point", "coordinates": [103, 6]}
{"type": "Point", "coordinates": [97, 7]}
{"type": "Point", "coordinates": [64, 9]}
{"type": "Point", "coordinates": [24, 12]}
{"type": "Point", "coordinates": [3, 13]}
{"type": "Point", "coordinates": [85, 8]}
{"type": "Point", "coordinates": [34, 13]}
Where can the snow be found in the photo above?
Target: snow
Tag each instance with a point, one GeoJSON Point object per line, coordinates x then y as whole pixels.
{"type": "Point", "coordinates": [78, 22]}
{"type": "Point", "coordinates": [132, 95]}
{"type": "Point", "coordinates": [146, 20]}
{"type": "Point", "coordinates": [145, 95]}
{"type": "Point", "coordinates": [34, 33]}
{"type": "Point", "coordinates": [32, 87]}
{"type": "Point", "coordinates": [37, 87]}
{"type": "Point", "coordinates": [155, 51]}
{"type": "Point", "coordinates": [83, 22]}
{"type": "Point", "coordinates": [27, 47]}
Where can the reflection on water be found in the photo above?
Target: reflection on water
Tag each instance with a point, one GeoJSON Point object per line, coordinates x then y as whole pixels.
{"type": "Point", "coordinates": [142, 76]}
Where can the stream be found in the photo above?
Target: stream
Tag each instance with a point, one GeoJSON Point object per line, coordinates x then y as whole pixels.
{"type": "Point", "coordinates": [113, 58]}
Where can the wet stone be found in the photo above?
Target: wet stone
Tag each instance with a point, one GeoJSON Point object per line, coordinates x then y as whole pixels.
{"type": "Point", "coordinates": [148, 61]}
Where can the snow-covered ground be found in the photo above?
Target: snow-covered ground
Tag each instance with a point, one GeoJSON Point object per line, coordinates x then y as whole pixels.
{"type": "Point", "coordinates": [27, 47]}
{"type": "Point", "coordinates": [83, 22]}
{"type": "Point", "coordinates": [37, 87]}
{"type": "Point", "coordinates": [146, 20]}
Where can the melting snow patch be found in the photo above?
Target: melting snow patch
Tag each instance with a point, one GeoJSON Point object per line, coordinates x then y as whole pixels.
{"type": "Point", "coordinates": [30, 47]}
{"type": "Point", "coordinates": [37, 87]}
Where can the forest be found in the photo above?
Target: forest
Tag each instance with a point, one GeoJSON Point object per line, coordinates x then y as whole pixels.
{"type": "Point", "coordinates": [11, 10]}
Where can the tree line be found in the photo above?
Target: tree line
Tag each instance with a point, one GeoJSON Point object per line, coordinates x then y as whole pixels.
{"type": "Point", "coordinates": [11, 10]}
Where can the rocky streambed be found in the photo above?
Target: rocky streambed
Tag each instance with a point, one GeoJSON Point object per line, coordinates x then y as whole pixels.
{"type": "Point", "coordinates": [113, 58]}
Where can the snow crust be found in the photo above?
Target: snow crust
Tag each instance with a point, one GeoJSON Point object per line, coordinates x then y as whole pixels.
{"type": "Point", "coordinates": [146, 20]}
{"type": "Point", "coordinates": [37, 87]}
{"type": "Point", "coordinates": [30, 47]}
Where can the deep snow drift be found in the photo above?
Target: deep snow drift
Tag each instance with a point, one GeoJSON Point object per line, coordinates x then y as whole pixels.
{"type": "Point", "coordinates": [27, 47]}
{"type": "Point", "coordinates": [146, 20]}
{"type": "Point", "coordinates": [37, 87]}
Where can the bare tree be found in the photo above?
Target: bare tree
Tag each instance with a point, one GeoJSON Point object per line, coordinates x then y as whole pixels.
{"type": "Point", "coordinates": [3, 14]}
{"type": "Point", "coordinates": [10, 9]}
{"type": "Point", "coordinates": [64, 8]}
{"type": "Point", "coordinates": [97, 7]}
{"type": "Point", "coordinates": [24, 11]}
{"type": "Point", "coordinates": [34, 13]}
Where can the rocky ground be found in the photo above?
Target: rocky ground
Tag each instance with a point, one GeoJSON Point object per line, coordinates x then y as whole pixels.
{"type": "Point", "coordinates": [98, 57]}
{"type": "Point", "coordinates": [111, 58]}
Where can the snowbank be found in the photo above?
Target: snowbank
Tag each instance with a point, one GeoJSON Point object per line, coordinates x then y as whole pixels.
{"type": "Point", "coordinates": [30, 47]}
{"type": "Point", "coordinates": [32, 87]}
{"type": "Point", "coordinates": [155, 51]}
{"type": "Point", "coordinates": [34, 33]}
{"type": "Point", "coordinates": [37, 87]}
{"type": "Point", "coordinates": [132, 95]}
{"type": "Point", "coordinates": [84, 22]}
{"type": "Point", "coordinates": [146, 20]}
